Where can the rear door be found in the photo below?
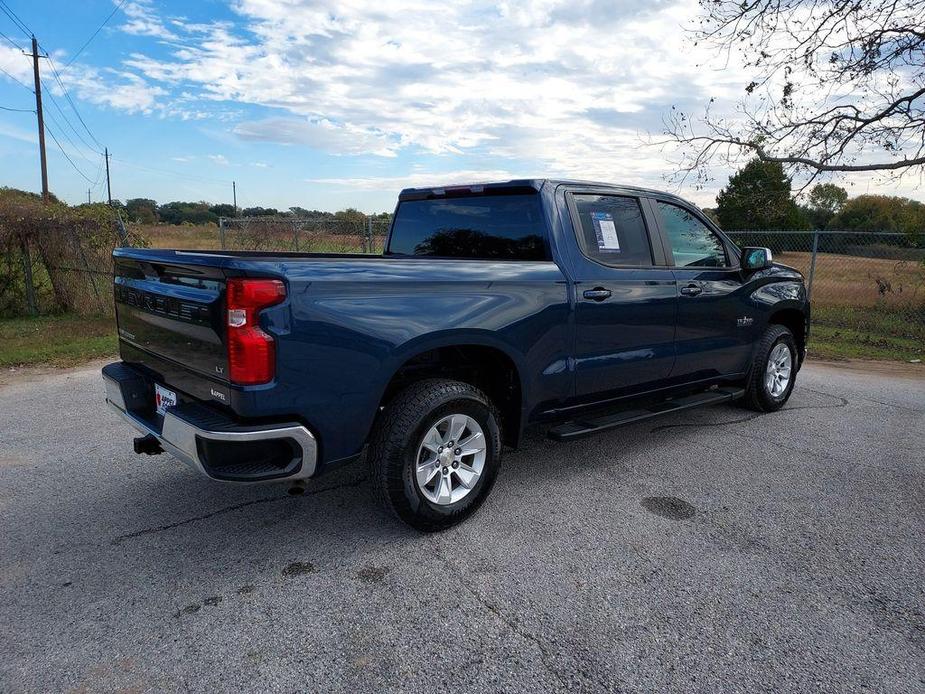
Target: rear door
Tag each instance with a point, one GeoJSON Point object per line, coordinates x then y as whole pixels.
{"type": "Point", "coordinates": [626, 298]}
{"type": "Point", "coordinates": [713, 335]}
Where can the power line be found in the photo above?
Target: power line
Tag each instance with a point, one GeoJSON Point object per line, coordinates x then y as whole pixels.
{"type": "Point", "coordinates": [18, 110]}
{"type": "Point", "coordinates": [93, 35]}
{"type": "Point", "coordinates": [68, 138]}
{"type": "Point", "coordinates": [64, 154]}
{"type": "Point", "coordinates": [201, 179]}
{"type": "Point", "coordinates": [17, 80]}
{"type": "Point", "coordinates": [54, 103]}
{"type": "Point", "coordinates": [69, 100]}
{"type": "Point", "coordinates": [16, 20]}
{"type": "Point", "coordinates": [12, 42]}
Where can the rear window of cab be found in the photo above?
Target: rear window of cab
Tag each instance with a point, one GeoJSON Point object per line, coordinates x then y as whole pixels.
{"type": "Point", "coordinates": [490, 227]}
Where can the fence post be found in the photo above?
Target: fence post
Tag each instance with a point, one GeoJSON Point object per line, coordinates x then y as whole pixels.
{"type": "Point", "coordinates": [812, 266]}
{"type": "Point", "coordinates": [27, 272]}
{"type": "Point", "coordinates": [123, 234]}
{"type": "Point", "coordinates": [221, 231]}
{"type": "Point", "coordinates": [369, 235]}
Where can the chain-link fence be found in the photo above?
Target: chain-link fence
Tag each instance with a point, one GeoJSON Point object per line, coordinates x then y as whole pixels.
{"type": "Point", "coordinates": [324, 234]}
{"type": "Point", "coordinates": [865, 286]}
{"type": "Point", "coordinates": [869, 286]}
{"type": "Point", "coordinates": [304, 235]}
{"type": "Point", "coordinates": [56, 262]}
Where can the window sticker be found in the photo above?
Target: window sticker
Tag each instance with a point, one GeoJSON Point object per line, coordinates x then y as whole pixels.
{"type": "Point", "coordinates": [606, 231]}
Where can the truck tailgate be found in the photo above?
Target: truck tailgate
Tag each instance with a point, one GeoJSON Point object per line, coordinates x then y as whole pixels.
{"type": "Point", "coordinates": [173, 311]}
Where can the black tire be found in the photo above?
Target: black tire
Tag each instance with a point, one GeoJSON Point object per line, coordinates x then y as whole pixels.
{"type": "Point", "coordinates": [757, 395]}
{"type": "Point", "coordinates": [398, 434]}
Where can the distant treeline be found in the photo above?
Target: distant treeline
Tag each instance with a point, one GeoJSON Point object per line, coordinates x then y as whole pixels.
{"type": "Point", "coordinates": [759, 197]}
{"type": "Point", "coordinates": [147, 211]}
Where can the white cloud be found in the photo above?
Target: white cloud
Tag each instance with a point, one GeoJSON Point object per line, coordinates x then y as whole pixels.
{"type": "Point", "coordinates": [219, 159]}
{"type": "Point", "coordinates": [320, 134]}
{"type": "Point", "coordinates": [118, 89]}
{"type": "Point", "coordinates": [15, 65]}
{"type": "Point", "coordinates": [142, 20]}
{"type": "Point", "coordinates": [563, 87]}
{"type": "Point", "coordinates": [417, 180]}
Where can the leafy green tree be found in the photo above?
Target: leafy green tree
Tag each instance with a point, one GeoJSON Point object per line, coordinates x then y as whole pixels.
{"type": "Point", "coordinates": [302, 212]}
{"type": "Point", "coordinates": [758, 197]}
{"type": "Point", "coordinates": [351, 215]}
{"type": "Point", "coordinates": [825, 201]}
{"type": "Point", "coordinates": [880, 213]}
{"type": "Point", "coordinates": [141, 210]}
{"type": "Point", "coordinates": [187, 213]}
{"type": "Point", "coordinates": [223, 210]}
{"type": "Point", "coordinates": [259, 212]}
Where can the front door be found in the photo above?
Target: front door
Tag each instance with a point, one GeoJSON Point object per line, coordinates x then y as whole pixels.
{"type": "Point", "coordinates": [626, 298]}
{"type": "Point", "coordinates": [714, 323]}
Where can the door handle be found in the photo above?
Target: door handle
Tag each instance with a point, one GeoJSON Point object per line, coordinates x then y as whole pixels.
{"type": "Point", "coordinates": [597, 294]}
{"type": "Point", "coordinates": [691, 290]}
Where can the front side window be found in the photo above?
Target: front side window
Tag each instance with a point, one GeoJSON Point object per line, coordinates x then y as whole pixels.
{"type": "Point", "coordinates": [502, 227]}
{"type": "Point", "coordinates": [692, 242]}
{"type": "Point", "coordinates": [612, 231]}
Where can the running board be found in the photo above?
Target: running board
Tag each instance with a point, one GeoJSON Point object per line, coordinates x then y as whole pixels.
{"type": "Point", "coordinates": [586, 426]}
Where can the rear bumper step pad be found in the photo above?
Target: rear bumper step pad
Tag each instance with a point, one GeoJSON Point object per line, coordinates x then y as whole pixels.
{"type": "Point", "coordinates": [189, 432]}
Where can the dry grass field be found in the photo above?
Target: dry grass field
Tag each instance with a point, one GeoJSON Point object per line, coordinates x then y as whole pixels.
{"type": "Point", "coordinates": [200, 238]}
{"type": "Point", "coordinates": [274, 238]}
{"type": "Point", "coordinates": [844, 280]}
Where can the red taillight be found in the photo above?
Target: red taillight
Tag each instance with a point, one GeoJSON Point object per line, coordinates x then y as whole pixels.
{"type": "Point", "coordinates": [251, 352]}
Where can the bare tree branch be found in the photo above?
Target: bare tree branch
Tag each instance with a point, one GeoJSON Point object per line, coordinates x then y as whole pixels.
{"type": "Point", "coordinates": [836, 86]}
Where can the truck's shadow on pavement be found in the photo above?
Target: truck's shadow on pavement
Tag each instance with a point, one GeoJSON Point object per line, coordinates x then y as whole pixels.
{"type": "Point", "coordinates": [177, 515]}
{"type": "Point", "coordinates": [344, 498]}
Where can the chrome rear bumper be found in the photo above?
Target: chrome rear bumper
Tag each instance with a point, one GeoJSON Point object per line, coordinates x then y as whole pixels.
{"type": "Point", "coordinates": [183, 437]}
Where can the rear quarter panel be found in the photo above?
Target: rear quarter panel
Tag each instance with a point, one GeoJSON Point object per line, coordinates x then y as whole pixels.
{"type": "Point", "coordinates": [348, 325]}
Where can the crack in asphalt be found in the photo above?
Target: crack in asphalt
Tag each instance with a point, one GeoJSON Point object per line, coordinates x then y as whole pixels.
{"type": "Point", "coordinates": [510, 623]}
{"type": "Point", "coordinates": [234, 507]}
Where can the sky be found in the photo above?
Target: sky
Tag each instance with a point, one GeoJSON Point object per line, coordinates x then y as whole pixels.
{"type": "Point", "coordinates": [343, 103]}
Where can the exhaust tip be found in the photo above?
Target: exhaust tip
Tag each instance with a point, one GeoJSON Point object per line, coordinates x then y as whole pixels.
{"type": "Point", "coordinates": [297, 488]}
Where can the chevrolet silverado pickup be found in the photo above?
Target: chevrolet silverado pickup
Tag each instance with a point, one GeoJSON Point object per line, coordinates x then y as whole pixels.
{"type": "Point", "coordinates": [571, 305]}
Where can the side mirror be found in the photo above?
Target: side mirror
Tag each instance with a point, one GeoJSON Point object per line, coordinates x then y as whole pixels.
{"type": "Point", "coordinates": [755, 258]}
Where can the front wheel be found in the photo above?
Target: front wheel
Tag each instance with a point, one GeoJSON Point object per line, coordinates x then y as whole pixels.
{"type": "Point", "coordinates": [773, 372]}
{"type": "Point", "coordinates": [435, 453]}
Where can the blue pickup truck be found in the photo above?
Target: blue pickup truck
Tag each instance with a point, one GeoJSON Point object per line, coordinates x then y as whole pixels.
{"type": "Point", "coordinates": [578, 306]}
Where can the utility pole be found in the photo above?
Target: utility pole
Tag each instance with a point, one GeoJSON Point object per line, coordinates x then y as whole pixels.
{"type": "Point", "coordinates": [38, 111]}
{"type": "Point", "coordinates": [88, 196]}
{"type": "Point", "coordinates": [234, 195]}
{"type": "Point", "coordinates": [108, 187]}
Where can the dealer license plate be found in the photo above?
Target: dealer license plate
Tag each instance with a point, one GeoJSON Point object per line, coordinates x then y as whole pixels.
{"type": "Point", "coordinates": [163, 398]}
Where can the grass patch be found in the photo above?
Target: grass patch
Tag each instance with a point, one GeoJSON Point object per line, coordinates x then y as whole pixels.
{"type": "Point", "coordinates": [63, 340]}
{"type": "Point", "coordinates": [840, 332]}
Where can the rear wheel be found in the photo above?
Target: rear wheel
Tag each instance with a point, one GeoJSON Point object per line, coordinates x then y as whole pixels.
{"type": "Point", "coordinates": [436, 452]}
{"type": "Point", "coordinates": [773, 371]}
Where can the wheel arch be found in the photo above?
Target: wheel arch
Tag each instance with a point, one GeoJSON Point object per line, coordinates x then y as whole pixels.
{"type": "Point", "coordinates": [794, 320]}
{"type": "Point", "coordinates": [479, 362]}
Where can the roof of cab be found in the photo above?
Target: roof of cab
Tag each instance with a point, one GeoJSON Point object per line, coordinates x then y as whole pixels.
{"type": "Point", "coordinates": [524, 185]}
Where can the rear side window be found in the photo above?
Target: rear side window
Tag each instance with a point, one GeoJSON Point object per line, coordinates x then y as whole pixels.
{"type": "Point", "coordinates": [692, 242]}
{"type": "Point", "coordinates": [612, 230]}
{"type": "Point", "coordinates": [503, 227]}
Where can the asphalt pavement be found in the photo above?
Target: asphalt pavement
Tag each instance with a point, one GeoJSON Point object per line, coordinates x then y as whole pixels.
{"type": "Point", "coordinates": [712, 550]}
